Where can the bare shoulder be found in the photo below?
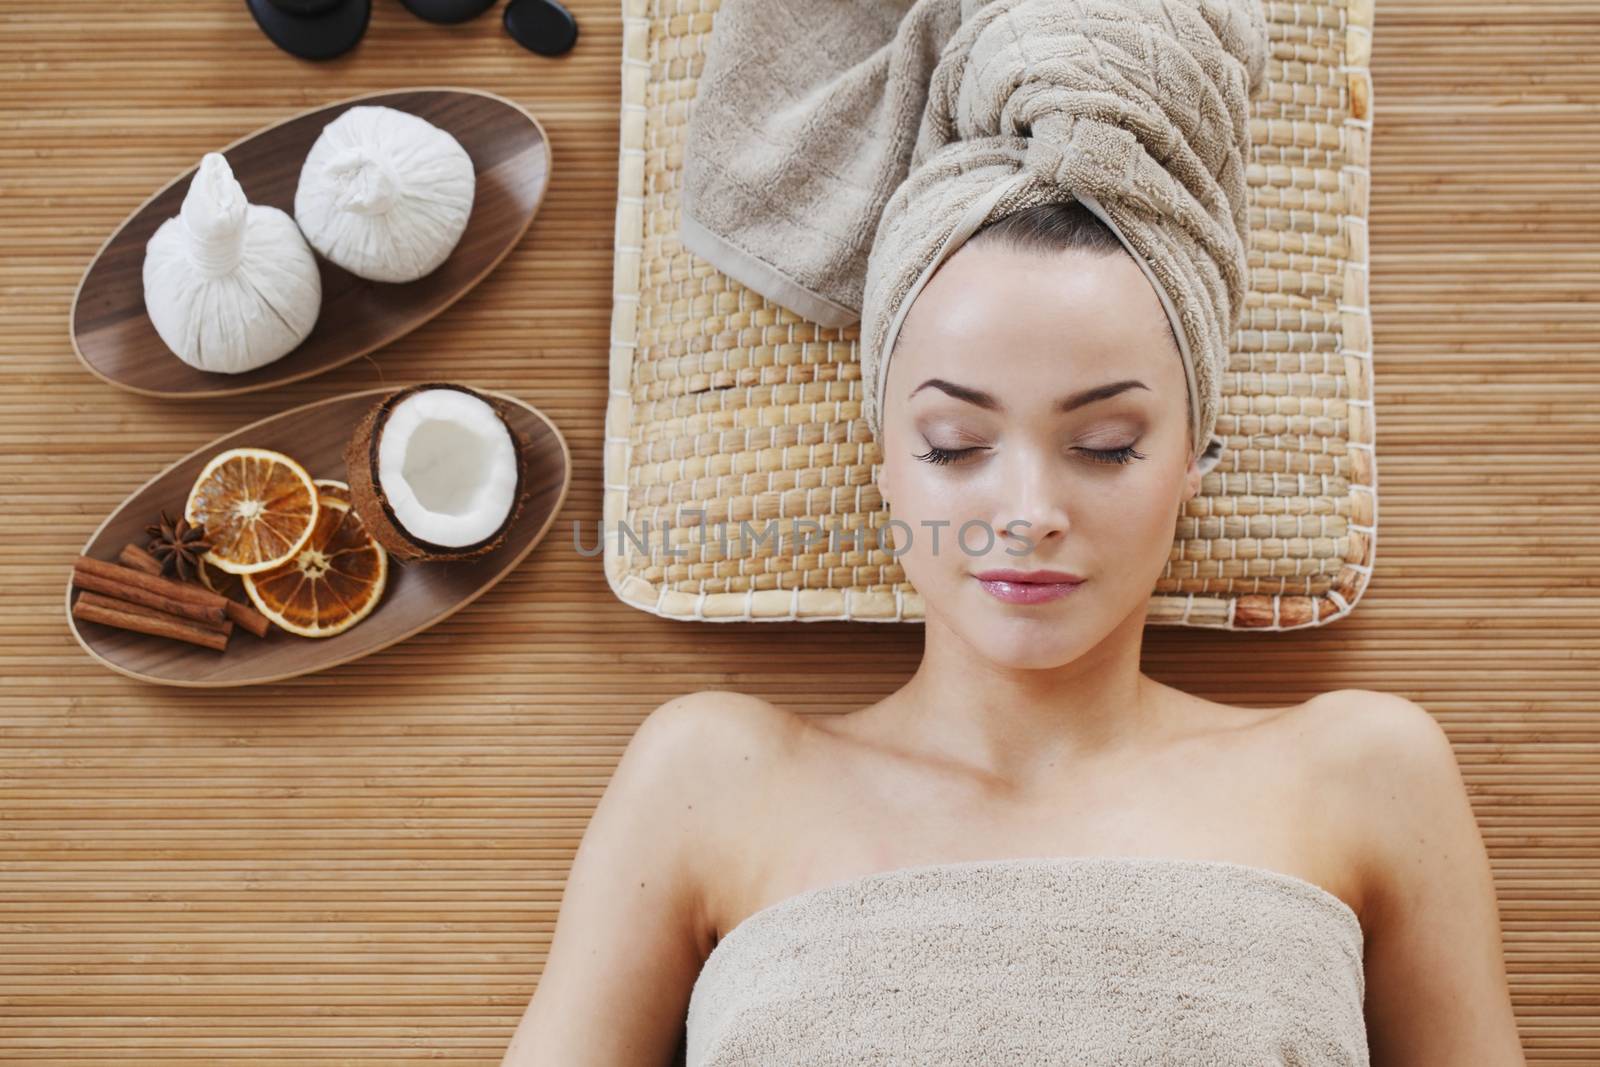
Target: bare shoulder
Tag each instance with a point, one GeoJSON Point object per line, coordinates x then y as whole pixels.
{"type": "Point", "coordinates": [637, 915]}
{"type": "Point", "coordinates": [1369, 716]}
{"type": "Point", "coordinates": [719, 743]}
{"type": "Point", "coordinates": [1383, 767]}
{"type": "Point", "coordinates": [715, 733]}
{"type": "Point", "coordinates": [679, 757]}
{"type": "Point", "coordinates": [698, 754]}
{"type": "Point", "coordinates": [1371, 739]}
{"type": "Point", "coordinates": [733, 761]}
{"type": "Point", "coordinates": [723, 704]}
{"type": "Point", "coordinates": [1435, 971]}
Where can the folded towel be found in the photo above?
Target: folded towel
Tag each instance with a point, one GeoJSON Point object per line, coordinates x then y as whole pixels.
{"type": "Point", "coordinates": [839, 150]}
{"type": "Point", "coordinates": [1078, 960]}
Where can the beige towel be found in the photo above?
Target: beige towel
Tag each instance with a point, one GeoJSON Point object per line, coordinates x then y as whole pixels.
{"type": "Point", "coordinates": [1085, 961]}
{"type": "Point", "coordinates": [839, 150]}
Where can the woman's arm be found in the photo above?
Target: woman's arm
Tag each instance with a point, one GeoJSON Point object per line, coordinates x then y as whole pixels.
{"type": "Point", "coordinates": [1437, 994]}
{"type": "Point", "coordinates": [631, 932]}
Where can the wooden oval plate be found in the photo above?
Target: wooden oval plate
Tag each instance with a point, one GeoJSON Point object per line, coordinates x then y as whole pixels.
{"type": "Point", "coordinates": [416, 596]}
{"type": "Point", "coordinates": [114, 337]}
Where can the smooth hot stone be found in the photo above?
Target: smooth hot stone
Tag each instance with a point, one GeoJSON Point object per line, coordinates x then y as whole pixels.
{"type": "Point", "coordinates": [447, 10]}
{"type": "Point", "coordinates": [312, 29]}
{"type": "Point", "coordinates": [307, 7]}
{"type": "Point", "coordinates": [541, 26]}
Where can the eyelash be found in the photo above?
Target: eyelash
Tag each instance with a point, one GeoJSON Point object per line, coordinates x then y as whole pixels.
{"type": "Point", "coordinates": [936, 454]}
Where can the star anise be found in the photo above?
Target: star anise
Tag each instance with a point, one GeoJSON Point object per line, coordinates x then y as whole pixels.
{"type": "Point", "coordinates": [178, 545]}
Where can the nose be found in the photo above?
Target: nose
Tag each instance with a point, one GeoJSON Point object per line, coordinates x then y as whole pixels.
{"type": "Point", "coordinates": [1034, 504]}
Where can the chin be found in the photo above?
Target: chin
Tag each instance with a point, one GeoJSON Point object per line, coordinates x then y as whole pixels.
{"type": "Point", "coordinates": [1033, 637]}
{"type": "Point", "coordinates": [1042, 652]}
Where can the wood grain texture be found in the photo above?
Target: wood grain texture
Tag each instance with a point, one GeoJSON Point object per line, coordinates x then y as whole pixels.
{"type": "Point", "coordinates": [363, 866]}
{"type": "Point", "coordinates": [115, 338]}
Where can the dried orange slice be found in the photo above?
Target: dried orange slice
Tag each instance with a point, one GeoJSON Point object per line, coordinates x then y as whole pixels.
{"type": "Point", "coordinates": [332, 583]}
{"type": "Point", "coordinates": [334, 488]}
{"type": "Point", "coordinates": [258, 507]}
{"type": "Point", "coordinates": [220, 581]}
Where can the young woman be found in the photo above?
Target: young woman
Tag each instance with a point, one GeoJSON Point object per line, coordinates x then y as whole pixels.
{"type": "Point", "coordinates": [1037, 389]}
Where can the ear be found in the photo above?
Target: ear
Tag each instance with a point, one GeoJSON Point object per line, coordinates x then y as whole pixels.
{"type": "Point", "coordinates": [882, 478]}
{"type": "Point", "coordinates": [1192, 477]}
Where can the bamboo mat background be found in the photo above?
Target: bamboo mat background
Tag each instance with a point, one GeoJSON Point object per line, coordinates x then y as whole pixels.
{"type": "Point", "coordinates": [364, 866]}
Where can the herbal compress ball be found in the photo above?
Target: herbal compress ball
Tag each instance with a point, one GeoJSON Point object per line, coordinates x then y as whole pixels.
{"type": "Point", "coordinates": [385, 194]}
{"type": "Point", "coordinates": [229, 285]}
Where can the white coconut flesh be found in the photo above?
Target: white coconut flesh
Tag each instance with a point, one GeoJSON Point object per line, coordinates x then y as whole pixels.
{"type": "Point", "coordinates": [448, 467]}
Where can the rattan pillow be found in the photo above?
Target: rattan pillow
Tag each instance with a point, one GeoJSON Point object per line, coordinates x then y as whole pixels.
{"type": "Point", "coordinates": [739, 473]}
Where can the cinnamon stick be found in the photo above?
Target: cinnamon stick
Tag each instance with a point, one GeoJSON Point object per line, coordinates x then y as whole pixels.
{"type": "Point", "coordinates": [122, 619]}
{"type": "Point", "coordinates": [112, 603]}
{"type": "Point", "coordinates": [246, 616]}
{"type": "Point", "coordinates": [114, 586]}
{"type": "Point", "coordinates": [187, 592]}
{"type": "Point", "coordinates": [135, 556]}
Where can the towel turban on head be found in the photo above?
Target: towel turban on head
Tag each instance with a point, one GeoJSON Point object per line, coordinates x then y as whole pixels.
{"type": "Point", "coordinates": [1137, 108]}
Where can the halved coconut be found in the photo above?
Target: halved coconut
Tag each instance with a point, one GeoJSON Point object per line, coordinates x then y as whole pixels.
{"type": "Point", "coordinates": [436, 472]}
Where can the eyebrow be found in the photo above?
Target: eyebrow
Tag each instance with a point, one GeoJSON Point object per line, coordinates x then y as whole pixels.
{"type": "Point", "coordinates": [1067, 403]}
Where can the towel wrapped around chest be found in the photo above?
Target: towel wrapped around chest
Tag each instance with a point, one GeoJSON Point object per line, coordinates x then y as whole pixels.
{"type": "Point", "coordinates": [1088, 960]}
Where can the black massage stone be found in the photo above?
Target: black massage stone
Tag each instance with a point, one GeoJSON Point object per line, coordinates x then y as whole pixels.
{"type": "Point", "coordinates": [541, 26]}
{"type": "Point", "coordinates": [447, 10]}
{"type": "Point", "coordinates": [312, 29]}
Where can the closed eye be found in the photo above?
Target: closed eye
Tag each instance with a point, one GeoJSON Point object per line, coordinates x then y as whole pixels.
{"type": "Point", "coordinates": [1128, 454]}
{"type": "Point", "coordinates": [935, 454]}
{"type": "Point", "coordinates": [1114, 455]}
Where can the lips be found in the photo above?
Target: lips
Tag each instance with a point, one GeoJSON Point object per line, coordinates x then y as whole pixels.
{"type": "Point", "coordinates": [1029, 577]}
{"type": "Point", "coordinates": [1028, 587]}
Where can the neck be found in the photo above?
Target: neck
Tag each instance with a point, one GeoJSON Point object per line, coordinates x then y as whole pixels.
{"type": "Point", "coordinates": [1020, 727]}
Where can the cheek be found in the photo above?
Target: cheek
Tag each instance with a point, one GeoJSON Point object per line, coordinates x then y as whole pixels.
{"type": "Point", "coordinates": [1132, 499]}
{"type": "Point", "coordinates": [928, 492]}
{"type": "Point", "coordinates": [927, 503]}
{"type": "Point", "coordinates": [1133, 510]}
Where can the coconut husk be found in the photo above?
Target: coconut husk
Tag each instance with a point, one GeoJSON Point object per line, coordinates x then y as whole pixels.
{"type": "Point", "coordinates": [373, 508]}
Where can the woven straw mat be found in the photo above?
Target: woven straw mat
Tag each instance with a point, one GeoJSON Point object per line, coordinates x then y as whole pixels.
{"type": "Point", "coordinates": [725, 407]}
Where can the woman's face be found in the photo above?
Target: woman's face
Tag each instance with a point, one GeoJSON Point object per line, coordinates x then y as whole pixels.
{"type": "Point", "coordinates": [1094, 490]}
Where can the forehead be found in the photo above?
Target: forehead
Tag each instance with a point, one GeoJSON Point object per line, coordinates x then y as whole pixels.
{"type": "Point", "coordinates": [1068, 316]}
